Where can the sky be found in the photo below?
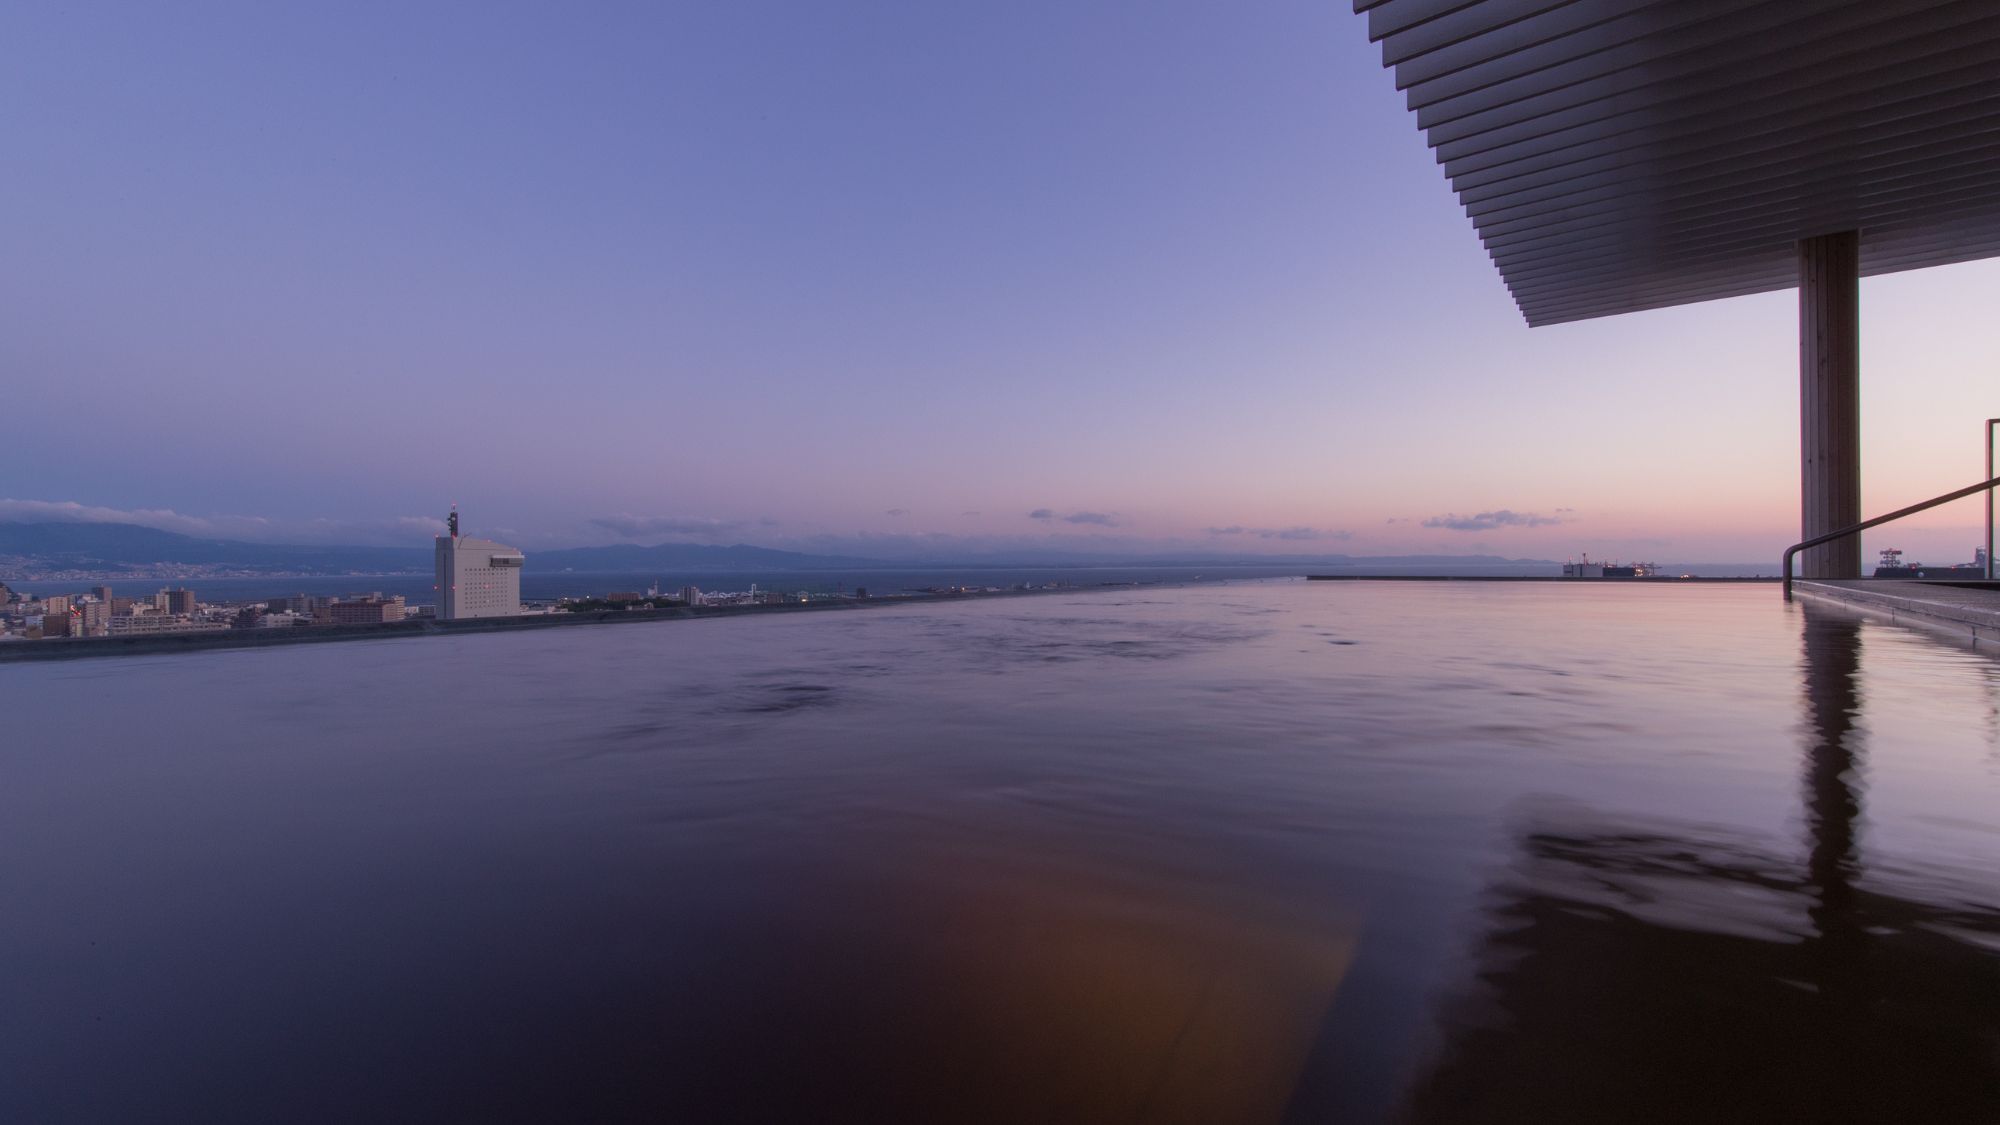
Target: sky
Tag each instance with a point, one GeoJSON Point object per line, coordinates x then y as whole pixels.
{"type": "Point", "coordinates": [883, 278]}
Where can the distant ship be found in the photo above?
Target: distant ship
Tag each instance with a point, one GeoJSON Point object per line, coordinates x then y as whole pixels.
{"type": "Point", "coordinates": [1588, 569]}
{"type": "Point", "coordinates": [1893, 566]}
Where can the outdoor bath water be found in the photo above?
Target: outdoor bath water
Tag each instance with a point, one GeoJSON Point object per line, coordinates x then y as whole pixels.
{"type": "Point", "coordinates": [1263, 851]}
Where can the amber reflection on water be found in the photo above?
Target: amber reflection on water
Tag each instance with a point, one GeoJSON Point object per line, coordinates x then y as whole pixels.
{"type": "Point", "coordinates": [1037, 991]}
{"type": "Point", "coordinates": [1270, 852]}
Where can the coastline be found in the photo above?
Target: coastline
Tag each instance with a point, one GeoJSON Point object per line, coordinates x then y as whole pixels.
{"type": "Point", "coordinates": [85, 648]}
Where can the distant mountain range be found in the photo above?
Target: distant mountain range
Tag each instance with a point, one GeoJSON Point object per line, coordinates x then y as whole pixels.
{"type": "Point", "coordinates": [692, 557]}
{"type": "Point", "coordinates": [112, 549]}
{"type": "Point", "coordinates": [122, 548]}
{"type": "Point", "coordinates": [30, 550]}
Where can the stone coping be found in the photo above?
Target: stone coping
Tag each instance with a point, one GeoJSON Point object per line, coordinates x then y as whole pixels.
{"type": "Point", "coordinates": [1966, 613]}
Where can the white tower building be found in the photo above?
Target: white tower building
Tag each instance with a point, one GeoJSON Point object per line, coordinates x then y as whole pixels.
{"type": "Point", "coordinates": [476, 577]}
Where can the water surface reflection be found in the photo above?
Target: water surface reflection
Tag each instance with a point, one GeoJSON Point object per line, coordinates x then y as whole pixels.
{"type": "Point", "coordinates": [1265, 852]}
{"type": "Point", "coordinates": [1656, 970]}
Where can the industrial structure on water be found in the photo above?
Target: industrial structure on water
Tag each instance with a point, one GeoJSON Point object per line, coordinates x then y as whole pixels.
{"type": "Point", "coordinates": [1893, 566]}
{"type": "Point", "coordinates": [1601, 569]}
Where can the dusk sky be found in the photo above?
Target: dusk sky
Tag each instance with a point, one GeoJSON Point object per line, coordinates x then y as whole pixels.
{"type": "Point", "coordinates": [880, 278]}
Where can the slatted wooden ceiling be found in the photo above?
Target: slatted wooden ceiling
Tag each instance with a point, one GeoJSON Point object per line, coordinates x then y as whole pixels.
{"type": "Point", "coordinates": [1618, 155]}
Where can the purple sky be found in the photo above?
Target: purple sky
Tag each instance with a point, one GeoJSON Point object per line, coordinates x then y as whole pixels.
{"type": "Point", "coordinates": [870, 277]}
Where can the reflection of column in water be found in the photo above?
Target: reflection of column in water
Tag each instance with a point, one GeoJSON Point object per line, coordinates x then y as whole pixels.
{"type": "Point", "coordinates": [1833, 752]}
{"type": "Point", "coordinates": [1993, 712]}
{"type": "Point", "coordinates": [1833, 803]}
{"type": "Point", "coordinates": [1651, 970]}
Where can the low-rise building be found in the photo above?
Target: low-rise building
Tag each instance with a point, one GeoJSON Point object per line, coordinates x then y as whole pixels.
{"type": "Point", "coordinates": [373, 610]}
{"type": "Point", "coordinates": [143, 624]}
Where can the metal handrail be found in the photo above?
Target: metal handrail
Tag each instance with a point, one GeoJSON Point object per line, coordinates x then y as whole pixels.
{"type": "Point", "coordinates": [1991, 423]}
{"type": "Point", "coordinates": [1864, 525]}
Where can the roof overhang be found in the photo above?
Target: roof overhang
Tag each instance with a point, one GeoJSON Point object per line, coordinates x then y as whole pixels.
{"type": "Point", "coordinates": [1617, 155]}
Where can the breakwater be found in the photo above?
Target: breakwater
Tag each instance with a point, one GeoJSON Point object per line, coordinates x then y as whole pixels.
{"type": "Point", "coordinates": [1657, 580]}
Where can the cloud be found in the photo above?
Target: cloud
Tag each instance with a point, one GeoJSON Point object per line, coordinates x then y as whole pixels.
{"type": "Point", "coordinates": [1039, 544]}
{"type": "Point", "coordinates": [636, 527]}
{"type": "Point", "coordinates": [1099, 519]}
{"type": "Point", "coordinates": [256, 529]}
{"type": "Point", "coordinates": [1488, 521]}
{"type": "Point", "coordinates": [1294, 534]}
{"type": "Point", "coordinates": [69, 511]}
{"type": "Point", "coordinates": [897, 512]}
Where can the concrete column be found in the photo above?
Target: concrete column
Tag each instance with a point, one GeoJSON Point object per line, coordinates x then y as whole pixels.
{"type": "Point", "coordinates": [1830, 401]}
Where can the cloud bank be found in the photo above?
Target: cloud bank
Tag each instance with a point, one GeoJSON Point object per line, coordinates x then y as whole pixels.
{"type": "Point", "coordinates": [1095, 519]}
{"type": "Point", "coordinates": [69, 511]}
{"type": "Point", "coordinates": [640, 527]}
{"type": "Point", "coordinates": [1489, 521]}
{"type": "Point", "coordinates": [395, 530]}
{"type": "Point", "coordinates": [1296, 534]}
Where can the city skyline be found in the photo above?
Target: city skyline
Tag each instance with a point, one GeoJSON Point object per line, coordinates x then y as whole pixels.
{"type": "Point", "coordinates": [860, 281]}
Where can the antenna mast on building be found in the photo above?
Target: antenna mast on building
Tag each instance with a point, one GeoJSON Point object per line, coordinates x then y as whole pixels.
{"type": "Point", "coordinates": [454, 521]}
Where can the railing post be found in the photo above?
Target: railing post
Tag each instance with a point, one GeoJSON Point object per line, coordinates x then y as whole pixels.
{"type": "Point", "coordinates": [1990, 424]}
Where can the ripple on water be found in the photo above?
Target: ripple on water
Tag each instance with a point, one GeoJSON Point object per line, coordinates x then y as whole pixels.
{"type": "Point", "coordinates": [778, 699]}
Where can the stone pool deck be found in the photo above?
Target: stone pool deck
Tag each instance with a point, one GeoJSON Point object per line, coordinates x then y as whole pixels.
{"type": "Point", "coordinates": [1969, 612]}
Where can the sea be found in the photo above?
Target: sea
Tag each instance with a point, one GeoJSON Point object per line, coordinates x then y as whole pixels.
{"type": "Point", "coordinates": [551, 585]}
{"type": "Point", "coordinates": [1257, 850]}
